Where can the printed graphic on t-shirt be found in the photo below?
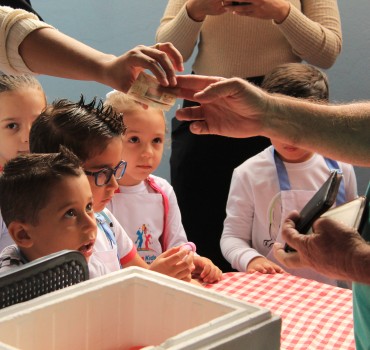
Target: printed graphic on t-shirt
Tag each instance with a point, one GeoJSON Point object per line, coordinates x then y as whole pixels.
{"type": "Point", "coordinates": [143, 244]}
{"type": "Point", "coordinates": [274, 219]}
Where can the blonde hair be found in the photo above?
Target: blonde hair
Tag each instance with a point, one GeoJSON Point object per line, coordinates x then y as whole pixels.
{"type": "Point", "coordinates": [123, 103]}
{"type": "Point", "coordinates": [13, 82]}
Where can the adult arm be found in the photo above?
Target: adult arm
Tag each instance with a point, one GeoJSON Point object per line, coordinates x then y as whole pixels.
{"type": "Point", "coordinates": [233, 107]}
{"type": "Point", "coordinates": [39, 48]}
{"type": "Point", "coordinates": [333, 249]}
{"type": "Point", "coordinates": [182, 21]}
{"type": "Point", "coordinates": [314, 31]}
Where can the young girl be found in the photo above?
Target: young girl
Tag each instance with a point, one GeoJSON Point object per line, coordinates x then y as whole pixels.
{"type": "Point", "coordinates": [94, 134]}
{"type": "Point", "coordinates": [145, 204]}
{"type": "Point", "coordinates": [21, 100]}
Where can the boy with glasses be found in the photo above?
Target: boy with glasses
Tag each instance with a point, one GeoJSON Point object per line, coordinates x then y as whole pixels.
{"type": "Point", "coordinates": [94, 133]}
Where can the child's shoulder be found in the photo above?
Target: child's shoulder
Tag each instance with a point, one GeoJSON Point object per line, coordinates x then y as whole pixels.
{"type": "Point", "coordinates": [9, 258]}
{"type": "Point", "coordinates": [157, 181]}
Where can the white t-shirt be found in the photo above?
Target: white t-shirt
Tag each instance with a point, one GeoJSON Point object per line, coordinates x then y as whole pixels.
{"type": "Point", "coordinates": [254, 201]}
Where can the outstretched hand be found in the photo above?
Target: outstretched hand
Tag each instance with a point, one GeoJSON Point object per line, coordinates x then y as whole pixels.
{"type": "Point", "coordinates": [162, 59]}
{"type": "Point", "coordinates": [229, 107]}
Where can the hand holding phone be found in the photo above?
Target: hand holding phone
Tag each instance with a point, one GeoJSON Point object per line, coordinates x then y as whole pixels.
{"type": "Point", "coordinates": [318, 204]}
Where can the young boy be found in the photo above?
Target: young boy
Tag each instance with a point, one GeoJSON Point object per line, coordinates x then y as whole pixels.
{"type": "Point", "coordinates": [94, 133]}
{"type": "Point", "coordinates": [265, 188]}
{"type": "Point", "coordinates": [46, 203]}
{"type": "Point", "coordinates": [145, 204]}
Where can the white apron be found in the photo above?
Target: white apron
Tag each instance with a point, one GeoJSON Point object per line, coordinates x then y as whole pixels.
{"type": "Point", "coordinates": [144, 217]}
{"type": "Point", "coordinates": [296, 200]}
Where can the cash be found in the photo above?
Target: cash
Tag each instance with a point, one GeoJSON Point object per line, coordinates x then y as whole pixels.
{"type": "Point", "coordinates": [147, 90]}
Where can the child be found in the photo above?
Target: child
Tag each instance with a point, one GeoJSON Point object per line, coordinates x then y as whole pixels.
{"type": "Point", "coordinates": [145, 204]}
{"type": "Point", "coordinates": [94, 134]}
{"type": "Point", "coordinates": [21, 101]}
{"type": "Point", "coordinates": [40, 220]}
{"type": "Point", "coordinates": [265, 188]}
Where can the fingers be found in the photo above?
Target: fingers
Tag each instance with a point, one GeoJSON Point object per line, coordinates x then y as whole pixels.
{"type": "Point", "coordinates": [291, 260]}
{"type": "Point", "coordinates": [196, 82]}
{"type": "Point", "coordinates": [211, 274]}
{"type": "Point", "coordinates": [173, 54]}
{"type": "Point", "coordinates": [167, 59]}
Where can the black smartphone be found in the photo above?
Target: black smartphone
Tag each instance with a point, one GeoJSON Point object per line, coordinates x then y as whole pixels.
{"type": "Point", "coordinates": [323, 199]}
{"type": "Point", "coordinates": [237, 3]}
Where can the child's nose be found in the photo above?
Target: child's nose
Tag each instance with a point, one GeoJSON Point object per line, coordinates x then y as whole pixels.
{"type": "Point", "coordinates": [113, 183]}
{"type": "Point", "coordinates": [147, 151]}
{"type": "Point", "coordinates": [89, 225]}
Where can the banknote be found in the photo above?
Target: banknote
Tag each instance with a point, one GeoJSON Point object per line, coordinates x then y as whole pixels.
{"type": "Point", "coordinates": [147, 90]}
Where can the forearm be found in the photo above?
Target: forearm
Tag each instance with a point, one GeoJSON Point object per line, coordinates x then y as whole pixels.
{"type": "Point", "coordinates": [179, 29]}
{"type": "Point", "coordinates": [337, 131]}
{"type": "Point", "coordinates": [47, 51]}
{"type": "Point", "coordinates": [315, 35]}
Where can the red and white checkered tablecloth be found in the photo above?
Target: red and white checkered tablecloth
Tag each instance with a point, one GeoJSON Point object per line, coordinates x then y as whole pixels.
{"type": "Point", "coordinates": [314, 315]}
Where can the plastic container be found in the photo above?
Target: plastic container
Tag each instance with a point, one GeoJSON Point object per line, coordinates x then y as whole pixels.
{"type": "Point", "coordinates": [135, 307]}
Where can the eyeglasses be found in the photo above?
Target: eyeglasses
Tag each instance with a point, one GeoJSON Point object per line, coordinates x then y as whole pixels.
{"type": "Point", "coordinates": [103, 176]}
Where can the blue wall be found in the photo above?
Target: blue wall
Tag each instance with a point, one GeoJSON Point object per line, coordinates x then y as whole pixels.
{"type": "Point", "coordinates": [115, 26]}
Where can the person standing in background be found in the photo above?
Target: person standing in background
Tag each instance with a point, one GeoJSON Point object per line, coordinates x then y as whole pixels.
{"type": "Point", "coordinates": [244, 41]}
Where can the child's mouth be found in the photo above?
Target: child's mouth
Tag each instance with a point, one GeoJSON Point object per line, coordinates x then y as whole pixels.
{"type": "Point", "coordinates": [87, 249]}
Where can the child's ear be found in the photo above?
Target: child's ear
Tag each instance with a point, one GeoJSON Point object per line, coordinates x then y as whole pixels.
{"type": "Point", "coordinates": [18, 231]}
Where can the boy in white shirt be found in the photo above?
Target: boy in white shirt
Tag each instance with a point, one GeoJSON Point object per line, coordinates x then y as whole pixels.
{"type": "Point", "coordinates": [46, 202]}
{"type": "Point", "coordinates": [266, 187]}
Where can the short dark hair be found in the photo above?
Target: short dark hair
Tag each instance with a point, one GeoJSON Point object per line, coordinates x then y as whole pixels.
{"type": "Point", "coordinates": [85, 129]}
{"type": "Point", "coordinates": [298, 80]}
{"type": "Point", "coordinates": [27, 181]}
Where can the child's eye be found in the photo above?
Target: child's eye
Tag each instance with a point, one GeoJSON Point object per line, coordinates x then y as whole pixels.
{"type": "Point", "coordinates": [134, 139]}
{"type": "Point", "coordinates": [89, 207]}
{"type": "Point", "coordinates": [157, 140]}
{"type": "Point", "coordinates": [12, 126]}
{"type": "Point", "coordinates": [70, 213]}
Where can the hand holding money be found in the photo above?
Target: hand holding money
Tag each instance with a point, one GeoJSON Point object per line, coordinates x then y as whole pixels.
{"type": "Point", "coordinates": [148, 91]}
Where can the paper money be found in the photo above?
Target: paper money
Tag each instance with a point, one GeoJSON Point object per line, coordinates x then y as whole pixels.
{"type": "Point", "coordinates": [147, 90]}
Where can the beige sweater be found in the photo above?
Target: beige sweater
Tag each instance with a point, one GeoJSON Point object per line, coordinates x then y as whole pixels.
{"type": "Point", "coordinates": [15, 25]}
{"type": "Point", "coordinates": [231, 45]}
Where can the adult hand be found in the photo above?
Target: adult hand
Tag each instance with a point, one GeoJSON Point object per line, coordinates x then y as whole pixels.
{"type": "Point", "coordinates": [333, 249]}
{"type": "Point", "coordinates": [199, 9]}
{"type": "Point", "coordinates": [229, 107]}
{"type": "Point", "coordinates": [162, 59]}
{"type": "Point", "coordinates": [276, 10]}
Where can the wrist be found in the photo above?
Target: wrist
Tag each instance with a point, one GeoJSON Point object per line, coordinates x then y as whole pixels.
{"type": "Point", "coordinates": [282, 13]}
{"type": "Point", "coordinates": [360, 264]}
{"type": "Point", "coordinates": [193, 11]}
